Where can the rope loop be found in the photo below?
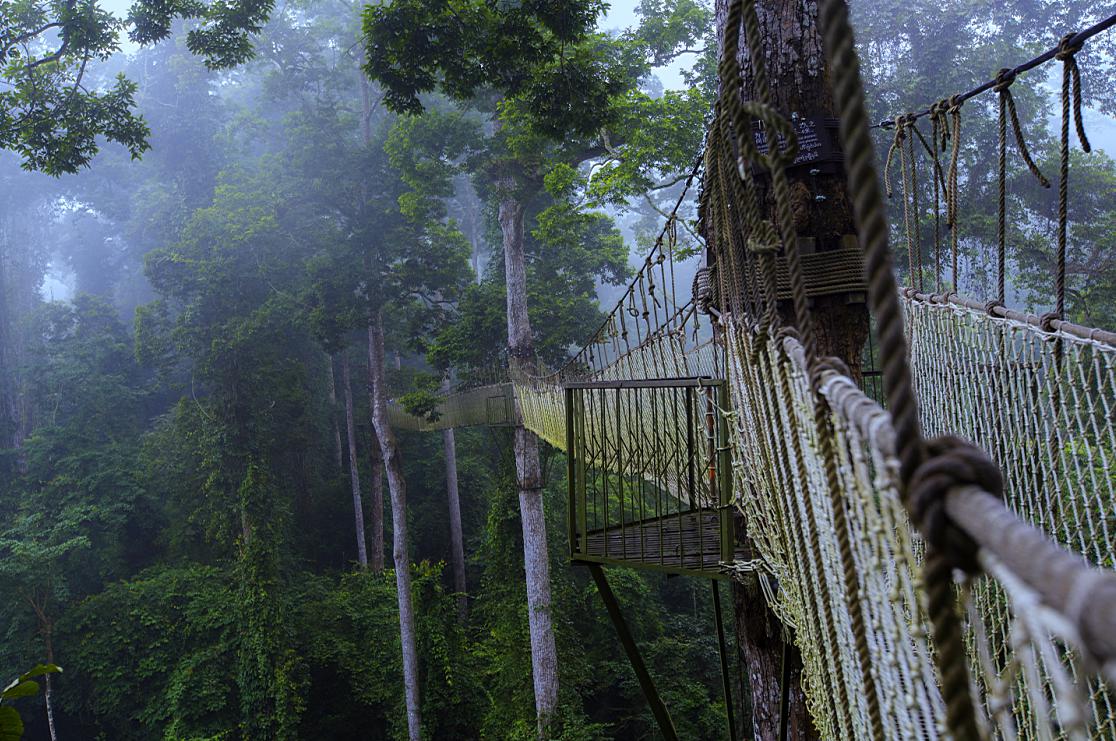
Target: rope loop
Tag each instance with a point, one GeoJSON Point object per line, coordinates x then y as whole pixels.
{"type": "Point", "coordinates": [785, 332]}
{"type": "Point", "coordinates": [703, 289]}
{"type": "Point", "coordinates": [1071, 77]}
{"type": "Point", "coordinates": [991, 305]}
{"type": "Point", "coordinates": [1046, 321]}
{"type": "Point", "coordinates": [831, 363]}
{"type": "Point", "coordinates": [951, 462]}
{"type": "Point", "coordinates": [902, 122]}
{"type": "Point", "coordinates": [938, 113]}
{"type": "Point", "coordinates": [1068, 48]}
{"type": "Point", "coordinates": [1004, 78]}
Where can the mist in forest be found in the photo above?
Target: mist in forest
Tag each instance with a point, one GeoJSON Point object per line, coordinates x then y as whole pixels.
{"type": "Point", "coordinates": [200, 336]}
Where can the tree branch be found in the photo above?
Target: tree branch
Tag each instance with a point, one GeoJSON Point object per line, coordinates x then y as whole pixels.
{"type": "Point", "coordinates": [665, 215]}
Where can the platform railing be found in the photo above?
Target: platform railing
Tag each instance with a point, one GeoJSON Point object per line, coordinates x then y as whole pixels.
{"type": "Point", "coordinates": [650, 480]}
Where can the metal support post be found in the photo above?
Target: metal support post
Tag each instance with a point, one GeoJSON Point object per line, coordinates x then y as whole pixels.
{"type": "Point", "coordinates": [658, 709]}
{"type": "Point", "coordinates": [730, 715]}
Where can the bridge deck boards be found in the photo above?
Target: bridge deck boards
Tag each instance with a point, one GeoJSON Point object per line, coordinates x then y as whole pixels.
{"type": "Point", "coordinates": [688, 542]}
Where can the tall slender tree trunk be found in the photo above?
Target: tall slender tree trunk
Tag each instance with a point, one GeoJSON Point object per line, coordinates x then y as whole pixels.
{"type": "Point", "coordinates": [377, 466]}
{"type": "Point", "coordinates": [354, 474]}
{"type": "Point", "coordinates": [333, 417]}
{"type": "Point", "coordinates": [398, 489]}
{"type": "Point", "coordinates": [48, 694]}
{"type": "Point", "coordinates": [457, 545]}
{"type": "Point", "coordinates": [9, 406]}
{"type": "Point", "coordinates": [536, 559]}
{"type": "Point", "coordinates": [376, 458]}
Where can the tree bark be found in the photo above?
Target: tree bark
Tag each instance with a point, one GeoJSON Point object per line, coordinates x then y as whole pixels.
{"type": "Point", "coordinates": [398, 490]}
{"type": "Point", "coordinates": [333, 417]}
{"type": "Point", "coordinates": [760, 644]}
{"type": "Point", "coordinates": [48, 693]}
{"type": "Point", "coordinates": [354, 474]}
{"type": "Point", "coordinates": [9, 407]}
{"type": "Point", "coordinates": [377, 465]}
{"type": "Point", "coordinates": [800, 85]}
{"type": "Point", "coordinates": [536, 559]}
{"type": "Point", "coordinates": [457, 545]}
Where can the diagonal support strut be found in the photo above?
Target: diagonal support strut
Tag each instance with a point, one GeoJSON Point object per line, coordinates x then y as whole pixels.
{"type": "Point", "coordinates": [646, 683]}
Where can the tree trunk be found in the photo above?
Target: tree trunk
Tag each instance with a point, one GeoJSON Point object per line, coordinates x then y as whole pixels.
{"type": "Point", "coordinates": [9, 407]}
{"type": "Point", "coordinates": [457, 545]}
{"type": "Point", "coordinates": [354, 474]}
{"type": "Point", "coordinates": [48, 693]}
{"type": "Point", "coordinates": [333, 417]}
{"type": "Point", "coordinates": [377, 466]}
{"type": "Point", "coordinates": [376, 458]}
{"type": "Point", "coordinates": [398, 490]}
{"type": "Point", "coordinates": [760, 645]}
{"type": "Point", "coordinates": [536, 559]}
{"type": "Point", "coordinates": [800, 85]}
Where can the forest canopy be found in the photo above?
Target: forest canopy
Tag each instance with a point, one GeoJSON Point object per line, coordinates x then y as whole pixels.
{"type": "Point", "coordinates": [237, 236]}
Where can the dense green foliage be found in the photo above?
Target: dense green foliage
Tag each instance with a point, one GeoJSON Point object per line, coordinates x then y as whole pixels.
{"type": "Point", "coordinates": [49, 49]}
{"type": "Point", "coordinates": [180, 528]}
{"type": "Point", "coordinates": [176, 524]}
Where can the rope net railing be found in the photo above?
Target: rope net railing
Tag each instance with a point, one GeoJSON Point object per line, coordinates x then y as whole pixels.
{"type": "Point", "coordinates": [989, 476]}
{"type": "Point", "coordinates": [1037, 392]}
{"type": "Point", "coordinates": [830, 484]}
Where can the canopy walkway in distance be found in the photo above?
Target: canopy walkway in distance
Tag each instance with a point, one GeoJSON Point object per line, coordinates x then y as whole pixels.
{"type": "Point", "coordinates": [704, 437]}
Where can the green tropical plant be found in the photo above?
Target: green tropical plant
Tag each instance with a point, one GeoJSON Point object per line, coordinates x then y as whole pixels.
{"type": "Point", "coordinates": [11, 725]}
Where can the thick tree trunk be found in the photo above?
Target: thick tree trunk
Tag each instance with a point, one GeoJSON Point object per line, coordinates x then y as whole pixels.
{"type": "Point", "coordinates": [333, 417]}
{"type": "Point", "coordinates": [760, 643]}
{"type": "Point", "coordinates": [457, 545]}
{"type": "Point", "coordinates": [376, 560]}
{"type": "Point", "coordinates": [398, 490]}
{"type": "Point", "coordinates": [800, 86]}
{"type": "Point", "coordinates": [536, 558]}
{"type": "Point", "coordinates": [354, 474]}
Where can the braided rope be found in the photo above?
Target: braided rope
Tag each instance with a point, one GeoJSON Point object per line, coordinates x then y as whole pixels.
{"type": "Point", "coordinates": [954, 111]}
{"type": "Point", "coordinates": [1004, 89]}
{"type": "Point", "coordinates": [1071, 95]}
{"type": "Point", "coordinates": [883, 299]}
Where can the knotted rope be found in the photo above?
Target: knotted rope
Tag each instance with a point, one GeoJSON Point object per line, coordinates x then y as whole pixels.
{"type": "Point", "coordinates": [919, 463]}
{"type": "Point", "coordinates": [1071, 94]}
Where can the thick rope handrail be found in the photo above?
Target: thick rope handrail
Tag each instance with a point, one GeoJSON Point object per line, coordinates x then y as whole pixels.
{"type": "Point", "coordinates": [1075, 39]}
{"type": "Point", "coordinates": [1043, 322]}
{"type": "Point", "coordinates": [1083, 595]}
{"type": "Point", "coordinates": [883, 298]}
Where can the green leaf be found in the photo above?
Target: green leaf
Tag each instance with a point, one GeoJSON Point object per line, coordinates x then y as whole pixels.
{"type": "Point", "coordinates": [40, 670]}
{"type": "Point", "coordinates": [20, 688]}
{"type": "Point", "coordinates": [11, 726]}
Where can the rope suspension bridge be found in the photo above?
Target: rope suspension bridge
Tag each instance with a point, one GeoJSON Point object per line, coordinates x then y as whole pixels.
{"type": "Point", "coordinates": [944, 554]}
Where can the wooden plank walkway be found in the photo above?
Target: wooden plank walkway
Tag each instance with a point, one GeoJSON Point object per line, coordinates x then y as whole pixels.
{"type": "Point", "coordinates": [689, 542]}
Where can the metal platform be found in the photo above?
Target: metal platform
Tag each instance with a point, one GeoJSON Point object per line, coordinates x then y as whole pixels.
{"type": "Point", "coordinates": [650, 475]}
{"type": "Point", "coordinates": [679, 543]}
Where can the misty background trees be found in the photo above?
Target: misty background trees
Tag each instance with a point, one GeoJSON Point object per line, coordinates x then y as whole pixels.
{"type": "Point", "coordinates": [191, 453]}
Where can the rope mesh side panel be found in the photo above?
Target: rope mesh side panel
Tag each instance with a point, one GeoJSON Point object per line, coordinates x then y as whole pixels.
{"type": "Point", "coordinates": [1051, 425]}
{"type": "Point", "coordinates": [774, 498]}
